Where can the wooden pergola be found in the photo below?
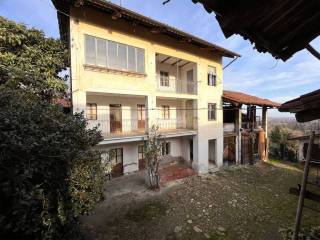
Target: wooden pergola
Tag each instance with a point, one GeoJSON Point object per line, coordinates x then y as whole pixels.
{"type": "Point", "coordinates": [280, 27]}
{"type": "Point", "coordinates": [306, 107]}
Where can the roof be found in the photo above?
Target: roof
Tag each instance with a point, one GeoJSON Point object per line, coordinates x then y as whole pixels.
{"type": "Point", "coordinates": [242, 98]}
{"type": "Point", "coordinates": [63, 7]}
{"type": "Point", "coordinates": [281, 28]}
{"type": "Point", "coordinates": [306, 107]}
{"type": "Point", "coordinates": [304, 137]}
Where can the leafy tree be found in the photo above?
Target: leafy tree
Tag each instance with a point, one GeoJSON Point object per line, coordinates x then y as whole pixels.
{"type": "Point", "coordinates": [280, 146]}
{"type": "Point", "coordinates": [49, 172]}
{"type": "Point", "coordinates": [31, 61]}
{"type": "Point", "coordinates": [153, 148]}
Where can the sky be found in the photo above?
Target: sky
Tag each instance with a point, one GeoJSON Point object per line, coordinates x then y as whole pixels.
{"type": "Point", "coordinates": [254, 73]}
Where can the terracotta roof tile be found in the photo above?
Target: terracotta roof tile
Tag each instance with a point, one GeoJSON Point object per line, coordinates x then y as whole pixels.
{"type": "Point", "coordinates": [242, 98]}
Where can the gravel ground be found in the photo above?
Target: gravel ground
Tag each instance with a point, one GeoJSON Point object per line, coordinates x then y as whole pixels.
{"type": "Point", "coordinates": [246, 202]}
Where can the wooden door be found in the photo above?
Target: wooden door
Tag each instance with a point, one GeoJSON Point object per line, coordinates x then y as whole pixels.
{"type": "Point", "coordinates": [115, 118]}
{"type": "Point", "coordinates": [229, 152]}
{"type": "Point", "coordinates": [141, 116]}
{"type": "Point", "coordinates": [190, 84]}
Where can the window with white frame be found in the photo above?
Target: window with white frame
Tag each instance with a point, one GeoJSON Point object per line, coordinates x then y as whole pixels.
{"type": "Point", "coordinates": [164, 79]}
{"type": "Point", "coordinates": [212, 111]}
{"type": "Point", "coordinates": [212, 76]}
{"type": "Point", "coordinates": [113, 55]}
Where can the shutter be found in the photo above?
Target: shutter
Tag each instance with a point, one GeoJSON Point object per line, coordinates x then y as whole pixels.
{"type": "Point", "coordinates": [90, 50]}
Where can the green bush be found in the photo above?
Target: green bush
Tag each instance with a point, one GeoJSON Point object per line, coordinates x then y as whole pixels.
{"type": "Point", "coordinates": [49, 172]}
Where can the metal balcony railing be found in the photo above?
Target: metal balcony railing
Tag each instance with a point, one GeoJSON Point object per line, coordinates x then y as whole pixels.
{"type": "Point", "coordinates": [170, 124]}
{"type": "Point", "coordinates": [175, 85]}
{"type": "Point", "coordinates": [118, 128]}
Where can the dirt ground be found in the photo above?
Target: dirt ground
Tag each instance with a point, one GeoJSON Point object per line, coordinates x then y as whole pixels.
{"type": "Point", "coordinates": [246, 202]}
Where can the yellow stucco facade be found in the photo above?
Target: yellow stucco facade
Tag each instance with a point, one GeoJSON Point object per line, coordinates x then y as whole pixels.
{"type": "Point", "coordinates": [104, 86]}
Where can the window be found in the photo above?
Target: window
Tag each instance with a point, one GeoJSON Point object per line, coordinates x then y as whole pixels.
{"type": "Point", "coordinates": [91, 111]}
{"type": "Point", "coordinates": [211, 111]}
{"type": "Point", "coordinates": [212, 77]}
{"type": "Point", "coordinates": [165, 148]}
{"type": "Point", "coordinates": [140, 152]}
{"type": "Point", "coordinates": [101, 52]}
{"type": "Point", "coordinates": [116, 156]}
{"type": "Point", "coordinates": [164, 79]}
{"type": "Point", "coordinates": [90, 47]}
{"type": "Point", "coordinates": [105, 53]}
{"type": "Point", "coordinates": [165, 112]}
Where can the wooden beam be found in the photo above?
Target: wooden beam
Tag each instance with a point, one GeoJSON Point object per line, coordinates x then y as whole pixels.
{"type": "Point", "coordinates": [157, 30]}
{"type": "Point", "coordinates": [313, 51]}
{"type": "Point", "coordinates": [78, 3]}
{"type": "Point", "coordinates": [116, 15]}
{"type": "Point", "coordinates": [308, 115]}
{"type": "Point", "coordinates": [303, 189]}
{"type": "Point", "coordinates": [185, 64]}
{"type": "Point", "coordinates": [185, 40]}
{"type": "Point", "coordinates": [164, 60]}
{"type": "Point", "coordinates": [176, 62]}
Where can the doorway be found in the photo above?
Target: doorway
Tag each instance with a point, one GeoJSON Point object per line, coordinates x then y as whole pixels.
{"type": "Point", "coordinates": [229, 150]}
{"type": "Point", "coordinates": [141, 116]}
{"type": "Point", "coordinates": [116, 162]}
{"type": "Point", "coordinates": [115, 118]}
{"type": "Point", "coordinates": [212, 144]}
{"type": "Point", "coordinates": [191, 150]}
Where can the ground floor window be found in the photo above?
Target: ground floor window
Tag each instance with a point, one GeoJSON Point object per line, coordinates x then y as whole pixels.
{"type": "Point", "coordinates": [165, 150]}
{"type": "Point", "coordinates": [116, 159]}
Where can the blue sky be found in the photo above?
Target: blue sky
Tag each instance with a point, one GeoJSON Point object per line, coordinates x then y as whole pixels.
{"type": "Point", "coordinates": [254, 73]}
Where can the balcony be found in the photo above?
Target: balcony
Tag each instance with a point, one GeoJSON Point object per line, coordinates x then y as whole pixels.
{"type": "Point", "coordinates": [173, 85]}
{"type": "Point", "coordinates": [175, 75]}
{"type": "Point", "coordinates": [123, 128]}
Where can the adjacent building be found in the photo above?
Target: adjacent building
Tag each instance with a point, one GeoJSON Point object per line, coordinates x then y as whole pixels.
{"type": "Point", "coordinates": [129, 72]}
{"type": "Point", "coordinates": [245, 126]}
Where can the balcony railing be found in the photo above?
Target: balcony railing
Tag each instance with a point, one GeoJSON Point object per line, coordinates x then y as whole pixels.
{"type": "Point", "coordinates": [132, 127]}
{"type": "Point", "coordinates": [172, 124]}
{"type": "Point", "coordinates": [174, 85]}
{"type": "Point", "coordinates": [118, 128]}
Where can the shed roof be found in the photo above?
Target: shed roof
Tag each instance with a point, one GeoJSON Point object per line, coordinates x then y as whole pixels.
{"type": "Point", "coordinates": [280, 27]}
{"type": "Point", "coordinates": [306, 107]}
{"type": "Point", "coordinates": [157, 27]}
{"type": "Point", "coordinates": [243, 98]}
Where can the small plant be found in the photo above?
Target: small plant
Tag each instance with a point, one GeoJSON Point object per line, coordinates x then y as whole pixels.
{"type": "Point", "coordinates": [153, 156]}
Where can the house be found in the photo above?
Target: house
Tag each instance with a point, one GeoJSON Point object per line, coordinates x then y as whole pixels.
{"type": "Point", "coordinates": [245, 131]}
{"type": "Point", "coordinates": [129, 72]}
{"type": "Point", "coordinates": [303, 143]}
{"type": "Point", "coordinates": [306, 107]}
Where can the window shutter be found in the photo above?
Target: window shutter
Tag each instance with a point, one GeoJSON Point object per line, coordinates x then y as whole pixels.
{"type": "Point", "coordinates": [90, 50]}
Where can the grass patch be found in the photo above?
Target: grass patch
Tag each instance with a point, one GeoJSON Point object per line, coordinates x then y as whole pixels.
{"type": "Point", "coordinates": [147, 212]}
